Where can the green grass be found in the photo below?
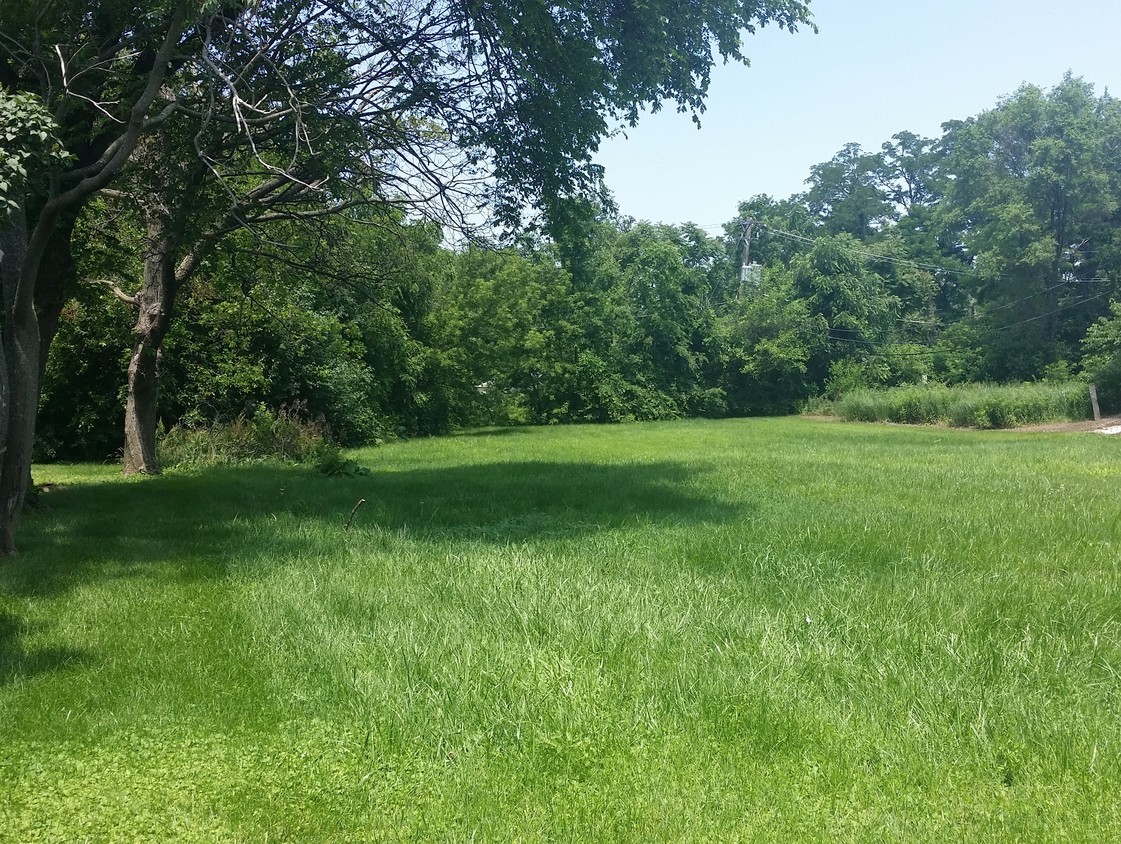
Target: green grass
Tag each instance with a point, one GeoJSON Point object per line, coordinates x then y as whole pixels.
{"type": "Point", "coordinates": [749, 630]}
{"type": "Point", "coordinates": [968, 405]}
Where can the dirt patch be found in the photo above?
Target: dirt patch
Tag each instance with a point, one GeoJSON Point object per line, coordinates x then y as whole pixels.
{"type": "Point", "coordinates": [1110, 425]}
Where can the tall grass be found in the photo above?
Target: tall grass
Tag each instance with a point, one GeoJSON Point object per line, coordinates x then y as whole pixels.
{"type": "Point", "coordinates": [287, 435]}
{"type": "Point", "coordinates": [968, 406]}
{"type": "Point", "coordinates": [756, 630]}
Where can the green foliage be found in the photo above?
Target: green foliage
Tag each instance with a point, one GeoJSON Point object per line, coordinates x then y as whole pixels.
{"type": "Point", "coordinates": [951, 261]}
{"type": "Point", "coordinates": [81, 409]}
{"type": "Point", "coordinates": [287, 435]}
{"type": "Point", "coordinates": [623, 332]}
{"type": "Point", "coordinates": [960, 355]}
{"type": "Point", "coordinates": [333, 320]}
{"type": "Point", "coordinates": [974, 406]}
{"type": "Point", "coordinates": [332, 461]}
{"type": "Point", "coordinates": [1101, 360]}
{"type": "Point", "coordinates": [502, 323]}
{"type": "Point", "coordinates": [895, 364]}
{"type": "Point", "coordinates": [1034, 195]}
{"type": "Point", "coordinates": [770, 340]}
{"type": "Point", "coordinates": [845, 194]}
{"type": "Point", "coordinates": [29, 147]}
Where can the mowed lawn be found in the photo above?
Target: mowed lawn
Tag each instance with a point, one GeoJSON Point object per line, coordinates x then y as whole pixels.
{"type": "Point", "coordinates": [745, 630]}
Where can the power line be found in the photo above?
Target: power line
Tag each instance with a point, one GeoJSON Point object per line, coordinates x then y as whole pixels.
{"type": "Point", "coordinates": [1052, 313]}
{"type": "Point", "coordinates": [811, 241]}
{"type": "Point", "coordinates": [866, 253]}
{"type": "Point", "coordinates": [858, 342]}
{"type": "Point", "coordinates": [1005, 306]}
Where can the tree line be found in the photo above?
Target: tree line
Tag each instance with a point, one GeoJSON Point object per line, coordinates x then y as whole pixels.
{"type": "Point", "coordinates": [194, 123]}
{"type": "Point", "coordinates": [215, 208]}
{"type": "Point", "coordinates": [988, 254]}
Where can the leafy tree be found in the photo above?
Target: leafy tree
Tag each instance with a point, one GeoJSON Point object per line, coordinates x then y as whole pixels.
{"type": "Point", "coordinates": [526, 91]}
{"type": "Point", "coordinates": [836, 283]}
{"type": "Point", "coordinates": [670, 319]}
{"type": "Point", "coordinates": [846, 194]}
{"type": "Point", "coordinates": [261, 325]}
{"type": "Point", "coordinates": [770, 339]}
{"type": "Point", "coordinates": [1102, 357]}
{"type": "Point", "coordinates": [1034, 195]}
{"type": "Point", "coordinates": [907, 171]}
{"type": "Point", "coordinates": [506, 333]}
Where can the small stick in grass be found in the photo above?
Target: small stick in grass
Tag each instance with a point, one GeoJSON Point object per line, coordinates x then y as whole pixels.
{"type": "Point", "coordinates": [350, 518]}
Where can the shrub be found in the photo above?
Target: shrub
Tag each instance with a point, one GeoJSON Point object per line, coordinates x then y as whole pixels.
{"type": "Point", "coordinates": [1101, 363]}
{"type": "Point", "coordinates": [330, 460]}
{"type": "Point", "coordinates": [288, 435]}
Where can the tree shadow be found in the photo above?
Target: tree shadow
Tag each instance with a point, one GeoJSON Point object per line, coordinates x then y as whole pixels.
{"type": "Point", "coordinates": [17, 662]}
{"type": "Point", "coordinates": [200, 525]}
{"type": "Point", "coordinates": [504, 431]}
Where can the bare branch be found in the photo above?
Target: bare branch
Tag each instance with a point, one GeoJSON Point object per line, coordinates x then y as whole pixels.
{"type": "Point", "coordinates": [115, 158]}
{"type": "Point", "coordinates": [117, 291]}
{"type": "Point", "coordinates": [66, 87]}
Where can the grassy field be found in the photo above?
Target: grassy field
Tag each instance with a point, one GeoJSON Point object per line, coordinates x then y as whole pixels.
{"type": "Point", "coordinates": [748, 630]}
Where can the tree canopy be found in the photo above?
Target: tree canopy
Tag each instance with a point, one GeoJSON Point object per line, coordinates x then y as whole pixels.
{"type": "Point", "coordinates": [223, 116]}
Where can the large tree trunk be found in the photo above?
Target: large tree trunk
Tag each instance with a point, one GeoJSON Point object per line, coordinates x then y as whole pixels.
{"type": "Point", "coordinates": [12, 246]}
{"type": "Point", "coordinates": [57, 282]}
{"type": "Point", "coordinates": [155, 302]}
{"type": "Point", "coordinates": [22, 252]}
{"type": "Point", "coordinates": [21, 368]}
{"type": "Point", "coordinates": [58, 279]}
{"type": "Point", "coordinates": [141, 408]}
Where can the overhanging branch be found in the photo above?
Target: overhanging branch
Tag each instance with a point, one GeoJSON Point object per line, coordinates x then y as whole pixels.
{"type": "Point", "coordinates": [118, 293]}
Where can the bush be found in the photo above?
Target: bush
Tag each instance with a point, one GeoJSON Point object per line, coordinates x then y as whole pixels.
{"type": "Point", "coordinates": [288, 435]}
{"type": "Point", "coordinates": [1101, 362]}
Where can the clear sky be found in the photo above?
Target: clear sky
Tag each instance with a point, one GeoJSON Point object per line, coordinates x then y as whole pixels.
{"type": "Point", "coordinates": [876, 68]}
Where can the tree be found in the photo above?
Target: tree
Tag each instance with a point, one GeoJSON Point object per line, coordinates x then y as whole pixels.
{"type": "Point", "coordinates": [31, 149]}
{"type": "Point", "coordinates": [525, 91]}
{"type": "Point", "coordinates": [846, 194]}
{"type": "Point", "coordinates": [1033, 196]}
{"type": "Point", "coordinates": [329, 319]}
{"type": "Point", "coordinates": [770, 339]}
{"type": "Point", "coordinates": [834, 280]}
{"type": "Point", "coordinates": [100, 150]}
{"type": "Point", "coordinates": [906, 170]}
{"type": "Point", "coordinates": [505, 332]}
{"type": "Point", "coordinates": [666, 284]}
{"type": "Point", "coordinates": [1102, 356]}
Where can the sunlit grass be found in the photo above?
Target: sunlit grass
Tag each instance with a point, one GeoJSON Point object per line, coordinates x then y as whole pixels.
{"type": "Point", "coordinates": [695, 631]}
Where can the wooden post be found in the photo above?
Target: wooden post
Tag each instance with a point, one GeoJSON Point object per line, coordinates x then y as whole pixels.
{"type": "Point", "coordinates": [748, 225]}
{"type": "Point", "coordinates": [1094, 402]}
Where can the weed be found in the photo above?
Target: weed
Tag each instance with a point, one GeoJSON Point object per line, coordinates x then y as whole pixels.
{"type": "Point", "coordinates": [968, 406]}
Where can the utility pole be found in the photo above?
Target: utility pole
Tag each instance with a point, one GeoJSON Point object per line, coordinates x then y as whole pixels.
{"type": "Point", "coordinates": [747, 225]}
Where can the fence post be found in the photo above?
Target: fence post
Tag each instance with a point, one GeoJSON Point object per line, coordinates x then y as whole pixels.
{"type": "Point", "coordinates": [1094, 402]}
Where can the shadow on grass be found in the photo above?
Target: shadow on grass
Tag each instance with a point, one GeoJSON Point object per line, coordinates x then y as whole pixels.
{"type": "Point", "coordinates": [492, 432]}
{"type": "Point", "coordinates": [16, 662]}
{"type": "Point", "coordinates": [198, 526]}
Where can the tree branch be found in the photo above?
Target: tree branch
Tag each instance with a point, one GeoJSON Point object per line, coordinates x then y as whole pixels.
{"type": "Point", "coordinates": [117, 292]}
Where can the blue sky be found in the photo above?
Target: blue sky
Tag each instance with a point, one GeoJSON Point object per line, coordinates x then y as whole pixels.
{"type": "Point", "coordinates": [877, 67]}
